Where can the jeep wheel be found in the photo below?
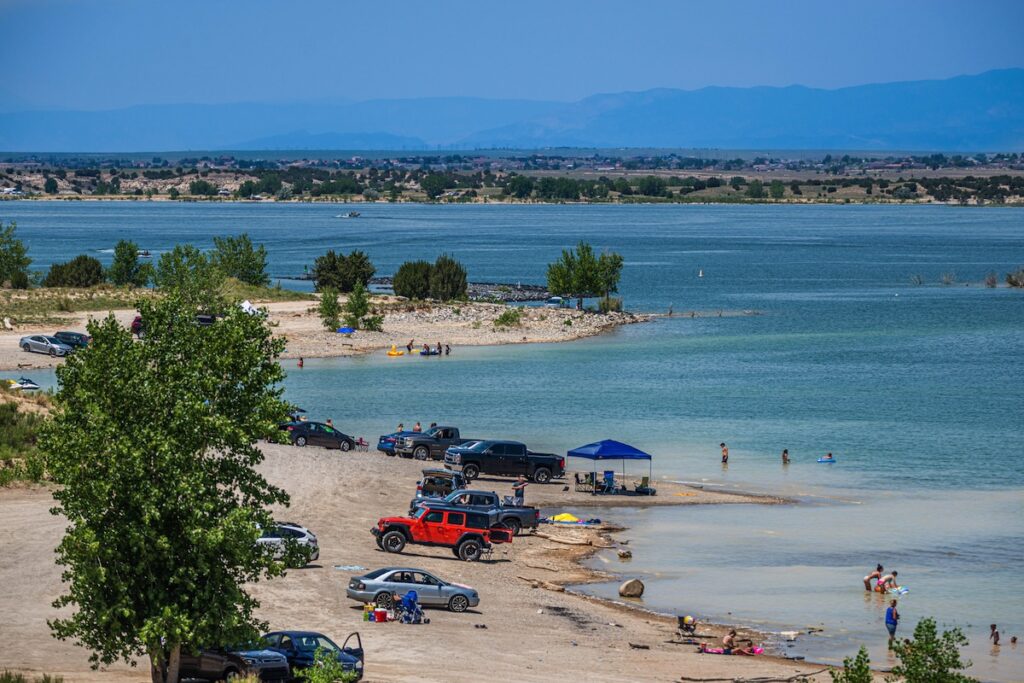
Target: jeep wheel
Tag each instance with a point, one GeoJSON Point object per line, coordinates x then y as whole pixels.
{"type": "Point", "coordinates": [514, 525]}
{"type": "Point", "coordinates": [542, 475]}
{"type": "Point", "coordinates": [393, 541]}
{"type": "Point", "coordinates": [345, 446]}
{"type": "Point", "coordinates": [470, 550]}
{"type": "Point", "coordinates": [421, 453]}
{"type": "Point", "coordinates": [383, 600]}
{"type": "Point", "coordinates": [470, 472]}
{"type": "Point", "coordinates": [300, 441]}
{"type": "Point", "coordinates": [458, 603]}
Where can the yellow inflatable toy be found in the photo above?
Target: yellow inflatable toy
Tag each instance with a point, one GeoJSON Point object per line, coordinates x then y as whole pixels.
{"type": "Point", "coordinates": [395, 352]}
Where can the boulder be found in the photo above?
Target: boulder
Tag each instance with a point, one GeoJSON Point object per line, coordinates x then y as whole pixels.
{"type": "Point", "coordinates": [634, 588]}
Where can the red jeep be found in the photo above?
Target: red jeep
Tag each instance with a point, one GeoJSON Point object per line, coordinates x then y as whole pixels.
{"type": "Point", "coordinates": [468, 533]}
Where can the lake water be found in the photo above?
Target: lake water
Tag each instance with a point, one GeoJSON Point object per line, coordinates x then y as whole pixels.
{"type": "Point", "coordinates": [916, 389]}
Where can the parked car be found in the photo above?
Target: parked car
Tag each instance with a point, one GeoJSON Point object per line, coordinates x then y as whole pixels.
{"type": "Point", "coordinates": [380, 585]}
{"type": "Point", "coordinates": [386, 442]}
{"type": "Point", "coordinates": [299, 648]}
{"type": "Point", "coordinates": [467, 532]}
{"type": "Point", "coordinates": [75, 340]}
{"type": "Point", "coordinates": [429, 444]}
{"type": "Point", "coordinates": [515, 518]}
{"type": "Point", "coordinates": [556, 302]}
{"type": "Point", "coordinates": [224, 665]}
{"type": "Point", "coordinates": [437, 483]}
{"type": "Point", "coordinates": [317, 434]}
{"type": "Point", "coordinates": [41, 343]}
{"type": "Point", "coordinates": [283, 533]}
{"type": "Point", "coordinates": [505, 458]}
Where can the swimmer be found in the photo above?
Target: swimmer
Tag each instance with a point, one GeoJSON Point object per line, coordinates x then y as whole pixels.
{"type": "Point", "coordinates": [875, 575]}
{"type": "Point", "coordinates": [994, 635]}
{"type": "Point", "coordinates": [828, 456]}
{"type": "Point", "coordinates": [887, 583]}
{"type": "Point", "coordinates": [725, 453]}
{"type": "Point", "coordinates": [785, 456]}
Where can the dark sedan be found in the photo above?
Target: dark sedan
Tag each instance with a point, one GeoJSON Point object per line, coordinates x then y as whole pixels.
{"type": "Point", "coordinates": [75, 340]}
{"type": "Point", "coordinates": [317, 434]}
{"type": "Point", "coordinates": [299, 648]}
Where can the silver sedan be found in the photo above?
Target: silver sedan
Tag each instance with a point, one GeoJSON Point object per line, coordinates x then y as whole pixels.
{"type": "Point", "coordinates": [41, 343]}
{"type": "Point", "coordinates": [381, 584]}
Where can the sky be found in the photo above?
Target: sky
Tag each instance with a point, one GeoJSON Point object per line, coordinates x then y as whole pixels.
{"type": "Point", "coordinates": [106, 54]}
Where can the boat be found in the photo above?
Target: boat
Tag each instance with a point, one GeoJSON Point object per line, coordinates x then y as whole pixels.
{"type": "Point", "coordinates": [22, 384]}
{"type": "Point", "coordinates": [144, 253]}
{"type": "Point", "coordinates": [350, 214]}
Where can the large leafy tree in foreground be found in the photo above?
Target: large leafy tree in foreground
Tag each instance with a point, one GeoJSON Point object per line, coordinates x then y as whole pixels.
{"type": "Point", "coordinates": [154, 450]}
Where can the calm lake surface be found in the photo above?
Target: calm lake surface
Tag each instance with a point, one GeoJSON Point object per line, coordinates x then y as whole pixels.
{"type": "Point", "coordinates": [915, 389]}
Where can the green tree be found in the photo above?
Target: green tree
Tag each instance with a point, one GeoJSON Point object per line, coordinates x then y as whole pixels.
{"type": "Point", "coordinates": [855, 670]}
{"type": "Point", "coordinates": [755, 190]}
{"type": "Point", "coordinates": [576, 274]}
{"type": "Point", "coordinates": [14, 260]}
{"type": "Point", "coordinates": [81, 271]}
{"type": "Point", "coordinates": [412, 280]}
{"type": "Point", "coordinates": [50, 186]}
{"type": "Point", "coordinates": [434, 184]}
{"type": "Point", "coordinates": [126, 268]}
{"type": "Point", "coordinates": [173, 193]}
{"type": "Point", "coordinates": [326, 669]}
{"type": "Point", "coordinates": [202, 188]}
{"type": "Point", "coordinates": [777, 190]}
{"type": "Point", "coordinates": [447, 279]}
{"type": "Point", "coordinates": [154, 452]}
{"type": "Point", "coordinates": [236, 257]}
{"type": "Point", "coordinates": [929, 657]}
{"type": "Point", "coordinates": [609, 270]}
{"type": "Point", "coordinates": [342, 272]}
{"type": "Point", "coordinates": [189, 272]}
{"type": "Point", "coordinates": [329, 308]}
{"type": "Point", "coordinates": [519, 186]}
{"type": "Point", "coordinates": [651, 186]}
{"type": "Point", "coordinates": [736, 182]}
{"type": "Point", "coordinates": [357, 306]}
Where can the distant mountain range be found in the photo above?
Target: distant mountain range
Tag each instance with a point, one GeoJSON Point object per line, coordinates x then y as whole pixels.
{"type": "Point", "coordinates": [984, 112]}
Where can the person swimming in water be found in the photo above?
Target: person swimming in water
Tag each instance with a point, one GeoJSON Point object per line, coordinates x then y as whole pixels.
{"type": "Point", "coordinates": [887, 583]}
{"type": "Point", "coordinates": [873, 576]}
{"type": "Point", "coordinates": [785, 456]}
{"type": "Point", "coordinates": [828, 456]}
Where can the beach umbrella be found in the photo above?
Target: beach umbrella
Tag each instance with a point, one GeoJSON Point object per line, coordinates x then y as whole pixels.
{"type": "Point", "coordinates": [609, 449]}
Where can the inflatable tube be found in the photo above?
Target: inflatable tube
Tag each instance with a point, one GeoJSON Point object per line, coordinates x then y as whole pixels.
{"type": "Point", "coordinates": [429, 353]}
{"type": "Point", "coordinates": [395, 354]}
{"type": "Point", "coordinates": [827, 460]}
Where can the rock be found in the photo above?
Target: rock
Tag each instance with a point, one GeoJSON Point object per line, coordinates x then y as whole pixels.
{"type": "Point", "coordinates": [625, 555]}
{"type": "Point", "coordinates": [634, 588]}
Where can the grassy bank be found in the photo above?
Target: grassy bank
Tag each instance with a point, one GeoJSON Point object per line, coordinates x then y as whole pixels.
{"type": "Point", "coordinates": [21, 418]}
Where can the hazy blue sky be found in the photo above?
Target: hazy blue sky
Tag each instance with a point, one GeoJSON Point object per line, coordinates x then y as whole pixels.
{"type": "Point", "coordinates": [111, 53]}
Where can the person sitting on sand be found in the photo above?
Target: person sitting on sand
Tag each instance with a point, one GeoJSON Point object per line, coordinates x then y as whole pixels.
{"type": "Point", "coordinates": [873, 576]}
{"type": "Point", "coordinates": [887, 583]}
{"type": "Point", "coordinates": [748, 651]}
{"type": "Point", "coordinates": [729, 642]}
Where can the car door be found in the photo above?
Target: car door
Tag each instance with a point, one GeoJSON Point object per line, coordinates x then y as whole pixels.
{"type": "Point", "coordinates": [429, 589]}
{"type": "Point", "coordinates": [495, 464]}
{"type": "Point", "coordinates": [454, 528]}
{"type": "Point", "coordinates": [401, 582]}
{"type": "Point", "coordinates": [38, 344]}
{"type": "Point", "coordinates": [433, 527]}
{"type": "Point", "coordinates": [515, 458]}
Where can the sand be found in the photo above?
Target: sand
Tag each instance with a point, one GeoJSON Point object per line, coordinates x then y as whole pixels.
{"type": "Point", "coordinates": [463, 324]}
{"type": "Point", "coordinates": [532, 634]}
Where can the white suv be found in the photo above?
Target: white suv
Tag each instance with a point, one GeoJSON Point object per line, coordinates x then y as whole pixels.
{"type": "Point", "coordinates": [282, 532]}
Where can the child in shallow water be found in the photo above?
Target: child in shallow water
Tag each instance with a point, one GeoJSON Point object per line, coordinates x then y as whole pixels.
{"type": "Point", "coordinates": [875, 575]}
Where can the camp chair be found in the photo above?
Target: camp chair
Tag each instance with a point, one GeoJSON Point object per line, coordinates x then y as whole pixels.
{"type": "Point", "coordinates": [362, 444]}
{"type": "Point", "coordinates": [582, 484]}
{"type": "Point", "coordinates": [643, 488]}
{"type": "Point", "coordinates": [608, 484]}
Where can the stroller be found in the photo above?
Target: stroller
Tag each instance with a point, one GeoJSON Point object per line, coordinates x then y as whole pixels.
{"type": "Point", "coordinates": [409, 610]}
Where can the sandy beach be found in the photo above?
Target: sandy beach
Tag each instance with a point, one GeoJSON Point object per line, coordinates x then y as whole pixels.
{"type": "Point", "coordinates": [458, 324]}
{"type": "Point", "coordinates": [532, 633]}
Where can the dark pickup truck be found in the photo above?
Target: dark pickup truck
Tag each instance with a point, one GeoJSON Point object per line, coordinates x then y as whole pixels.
{"type": "Point", "coordinates": [430, 444]}
{"type": "Point", "coordinates": [516, 518]}
{"type": "Point", "coordinates": [507, 458]}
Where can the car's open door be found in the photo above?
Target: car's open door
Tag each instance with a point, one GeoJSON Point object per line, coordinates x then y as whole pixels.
{"type": "Point", "coordinates": [357, 650]}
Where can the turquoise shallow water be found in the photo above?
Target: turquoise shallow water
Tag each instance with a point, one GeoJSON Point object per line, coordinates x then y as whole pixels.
{"type": "Point", "coordinates": [915, 389]}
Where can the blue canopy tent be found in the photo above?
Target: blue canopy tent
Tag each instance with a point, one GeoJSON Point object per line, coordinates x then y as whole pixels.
{"type": "Point", "coordinates": [611, 450]}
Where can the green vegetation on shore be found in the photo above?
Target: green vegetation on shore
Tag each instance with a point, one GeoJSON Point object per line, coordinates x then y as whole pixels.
{"type": "Point", "coordinates": [20, 458]}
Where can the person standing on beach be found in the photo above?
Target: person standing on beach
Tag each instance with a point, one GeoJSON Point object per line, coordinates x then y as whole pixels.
{"type": "Point", "coordinates": [875, 575]}
{"type": "Point", "coordinates": [892, 620]}
{"type": "Point", "coordinates": [725, 454]}
{"type": "Point", "coordinates": [785, 456]}
{"type": "Point", "coordinates": [519, 490]}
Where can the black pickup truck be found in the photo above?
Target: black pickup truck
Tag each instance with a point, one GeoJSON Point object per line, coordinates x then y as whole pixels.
{"type": "Point", "coordinates": [506, 458]}
{"type": "Point", "coordinates": [430, 444]}
{"type": "Point", "coordinates": [515, 517]}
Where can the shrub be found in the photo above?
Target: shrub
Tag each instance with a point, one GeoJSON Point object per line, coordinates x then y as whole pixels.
{"type": "Point", "coordinates": [855, 670]}
{"type": "Point", "coordinates": [342, 272]}
{"type": "Point", "coordinates": [412, 280]}
{"type": "Point", "coordinates": [126, 269]}
{"type": "Point", "coordinates": [329, 308]}
{"type": "Point", "coordinates": [1015, 279]}
{"type": "Point", "coordinates": [19, 280]}
{"type": "Point", "coordinates": [511, 317]}
{"type": "Point", "coordinates": [81, 271]}
{"type": "Point", "coordinates": [326, 669]}
{"type": "Point", "coordinates": [610, 304]}
{"type": "Point", "coordinates": [357, 306]}
{"type": "Point", "coordinates": [929, 657]}
{"type": "Point", "coordinates": [237, 257]}
{"type": "Point", "coordinates": [373, 323]}
{"type": "Point", "coordinates": [447, 279]}
{"type": "Point", "coordinates": [13, 677]}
